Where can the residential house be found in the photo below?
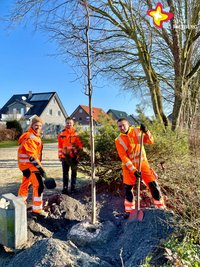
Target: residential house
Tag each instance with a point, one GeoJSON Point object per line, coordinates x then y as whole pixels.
{"type": "Point", "coordinates": [24, 107]}
{"type": "Point", "coordinates": [82, 117]}
{"type": "Point", "coordinates": [117, 114]}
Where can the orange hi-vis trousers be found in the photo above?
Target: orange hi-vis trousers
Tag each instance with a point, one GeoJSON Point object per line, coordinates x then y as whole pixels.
{"type": "Point", "coordinates": [36, 181]}
{"type": "Point", "coordinates": [149, 178]}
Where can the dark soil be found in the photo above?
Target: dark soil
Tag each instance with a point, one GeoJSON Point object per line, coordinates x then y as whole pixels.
{"type": "Point", "coordinates": [67, 237]}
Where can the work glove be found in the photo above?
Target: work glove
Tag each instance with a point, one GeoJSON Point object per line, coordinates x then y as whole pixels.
{"type": "Point", "coordinates": [137, 174]}
{"type": "Point", "coordinates": [48, 182]}
{"type": "Point", "coordinates": [42, 173]}
{"type": "Point", "coordinates": [143, 128]}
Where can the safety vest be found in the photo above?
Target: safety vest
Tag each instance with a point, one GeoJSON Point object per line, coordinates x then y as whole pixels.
{"type": "Point", "coordinates": [128, 147]}
{"type": "Point", "coordinates": [68, 143]}
{"type": "Point", "coordinates": [30, 146]}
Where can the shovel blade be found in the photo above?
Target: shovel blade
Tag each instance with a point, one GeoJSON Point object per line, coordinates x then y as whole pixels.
{"type": "Point", "coordinates": [136, 216]}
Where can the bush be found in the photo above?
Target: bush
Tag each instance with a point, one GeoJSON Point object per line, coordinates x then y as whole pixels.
{"type": "Point", "coordinates": [182, 252]}
{"type": "Point", "coordinates": [171, 158]}
{"type": "Point", "coordinates": [107, 163]}
{"type": "Point", "coordinates": [15, 125]}
{"type": "Point", "coordinates": [7, 134]}
{"type": "Point", "coordinates": [168, 144]}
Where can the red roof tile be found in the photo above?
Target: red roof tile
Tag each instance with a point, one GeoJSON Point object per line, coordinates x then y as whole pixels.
{"type": "Point", "coordinates": [96, 112]}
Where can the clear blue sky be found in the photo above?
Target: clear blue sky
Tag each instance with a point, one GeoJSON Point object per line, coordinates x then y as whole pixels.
{"type": "Point", "coordinates": [26, 65]}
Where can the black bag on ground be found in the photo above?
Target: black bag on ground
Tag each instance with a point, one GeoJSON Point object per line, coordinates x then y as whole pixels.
{"type": "Point", "coordinates": [50, 183]}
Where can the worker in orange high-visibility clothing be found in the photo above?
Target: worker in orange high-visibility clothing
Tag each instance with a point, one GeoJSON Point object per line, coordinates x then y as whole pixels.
{"type": "Point", "coordinates": [29, 162]}
{"type": "Point", "coordinates": [128, 147]}
{"type": "Point", "coordinates": [69, 147]}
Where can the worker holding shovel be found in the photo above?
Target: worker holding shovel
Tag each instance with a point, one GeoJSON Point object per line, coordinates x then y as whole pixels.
{"type": "Point", "coordinates": [135, 165]}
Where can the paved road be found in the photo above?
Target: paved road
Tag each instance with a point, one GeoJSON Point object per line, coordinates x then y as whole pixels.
{"type": "Point", "coordinates": [10, 175]}
{"type": "Point", "coordinates": [8, 157]}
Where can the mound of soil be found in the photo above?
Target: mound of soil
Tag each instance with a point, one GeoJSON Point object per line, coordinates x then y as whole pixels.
{"type": "Point", "coordinates": [67, 238]}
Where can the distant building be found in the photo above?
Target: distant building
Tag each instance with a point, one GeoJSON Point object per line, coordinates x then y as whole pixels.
{"type": "Point", "coordinates": [82, 117]}
{"type": "Point", "coordinates": [24, 107]}
{"type": "Point", "coordinates": [117, 114]}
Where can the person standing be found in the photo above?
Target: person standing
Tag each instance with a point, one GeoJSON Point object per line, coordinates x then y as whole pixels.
{"type": "Point", "coordinates": [128, 148]}
{"type": "Point", "coordinates": [69, 146]}
{"type": "Point", "coordinates": [29, 162]}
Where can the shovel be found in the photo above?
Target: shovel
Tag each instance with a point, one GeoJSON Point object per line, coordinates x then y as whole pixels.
{"type": "Point", "coordinates": [137, 214]}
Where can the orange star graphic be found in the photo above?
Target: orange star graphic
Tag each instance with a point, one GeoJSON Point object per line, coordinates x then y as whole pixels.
{"type": "Point", "coordinates": [159, 16]}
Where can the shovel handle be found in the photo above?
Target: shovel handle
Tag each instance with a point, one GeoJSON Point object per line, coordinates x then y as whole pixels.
{"type": "Point", "coordinates": [140, 157]}
{"type": "Point", "coordinates": [139, 169]}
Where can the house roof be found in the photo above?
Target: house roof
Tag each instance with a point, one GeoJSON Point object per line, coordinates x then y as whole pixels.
{"type": "Point", "coordinates": [96, 112]}
{"type": "Point", "coordinates": [36, 101]}
{"type": "Point", "coordinates": [117, 114]}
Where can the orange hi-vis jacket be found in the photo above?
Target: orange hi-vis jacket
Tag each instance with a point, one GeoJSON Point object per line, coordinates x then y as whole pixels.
{"type": "Point", "coordinates": [68, 143]}
{"type": "Point", "coordinates": [30, 146]}
{"type": "Point", "coordinates": [128, 147]}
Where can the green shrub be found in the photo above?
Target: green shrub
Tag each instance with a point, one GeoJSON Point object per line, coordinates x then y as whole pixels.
{"type": "Point", "coordinates": [107, 163]}
{"type": "Point", "coordinates": [182, 253]}
{"type": "Point", "coordinates": [14, 124]}
{"type": "Point", "coordinates": [178, 177]}
{"type": "Point", "coordinates": [168, 144]}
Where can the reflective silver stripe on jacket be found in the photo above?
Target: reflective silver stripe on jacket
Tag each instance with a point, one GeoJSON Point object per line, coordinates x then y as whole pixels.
{"type": "Point", "coordinates": [122, 143]}
{"type": "Point", "coordinates": [32, 136]}
{"type": "Point", "coordinates": [23, 160]}
{"type": "Point", "coordinates": [23, 155]}
{"type": "Point", "coordinates": [128, 163]}
{"type": "Point", "coordinates": [138, 134]}
{"type": "Point", "coordinates": [38, 207]}
{"type": "Point", "coordinates": [37, 198]}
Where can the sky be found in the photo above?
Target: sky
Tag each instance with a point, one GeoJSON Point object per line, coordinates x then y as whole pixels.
{"type": "Point", "coordinates": [27, 64]}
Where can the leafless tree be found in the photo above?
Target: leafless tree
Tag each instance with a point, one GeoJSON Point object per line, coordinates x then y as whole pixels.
{"type": "Point", "coordinates": [162, 64]}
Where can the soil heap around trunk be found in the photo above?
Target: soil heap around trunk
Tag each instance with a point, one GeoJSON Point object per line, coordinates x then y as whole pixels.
{"type": "Point", "coordinates": [67, 238]}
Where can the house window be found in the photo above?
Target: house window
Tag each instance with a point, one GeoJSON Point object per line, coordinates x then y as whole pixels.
{"type": "Point", "coordinates": [14, 111]}
{"type": "Point", "coordinates": [22, 111]}
{"type": "Point", "coordinates": [80, 119]}
{"type": "Point", "coordinates": [59, 113]}
{"type": "Point", "coordinates": [80, 110]}
{"type": "Point", "coordinates": [87, 118]}
{"type": "Point", "coordinates": [50, 112]}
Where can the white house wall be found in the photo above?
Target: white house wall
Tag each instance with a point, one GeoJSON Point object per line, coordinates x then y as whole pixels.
{"type": "Point", "coordinates": [50, 115]}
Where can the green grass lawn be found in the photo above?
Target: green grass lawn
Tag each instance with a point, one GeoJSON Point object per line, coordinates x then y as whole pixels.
{"type": "Point", "coordinates": [5, 144]}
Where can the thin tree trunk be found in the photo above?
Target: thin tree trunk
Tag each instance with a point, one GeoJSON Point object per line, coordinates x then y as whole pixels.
{"type": "Point", "coordinates": [93, 184]}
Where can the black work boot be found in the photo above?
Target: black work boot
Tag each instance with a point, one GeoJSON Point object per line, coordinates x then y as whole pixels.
{"type": "Point", "coordinates": [73, 189]}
